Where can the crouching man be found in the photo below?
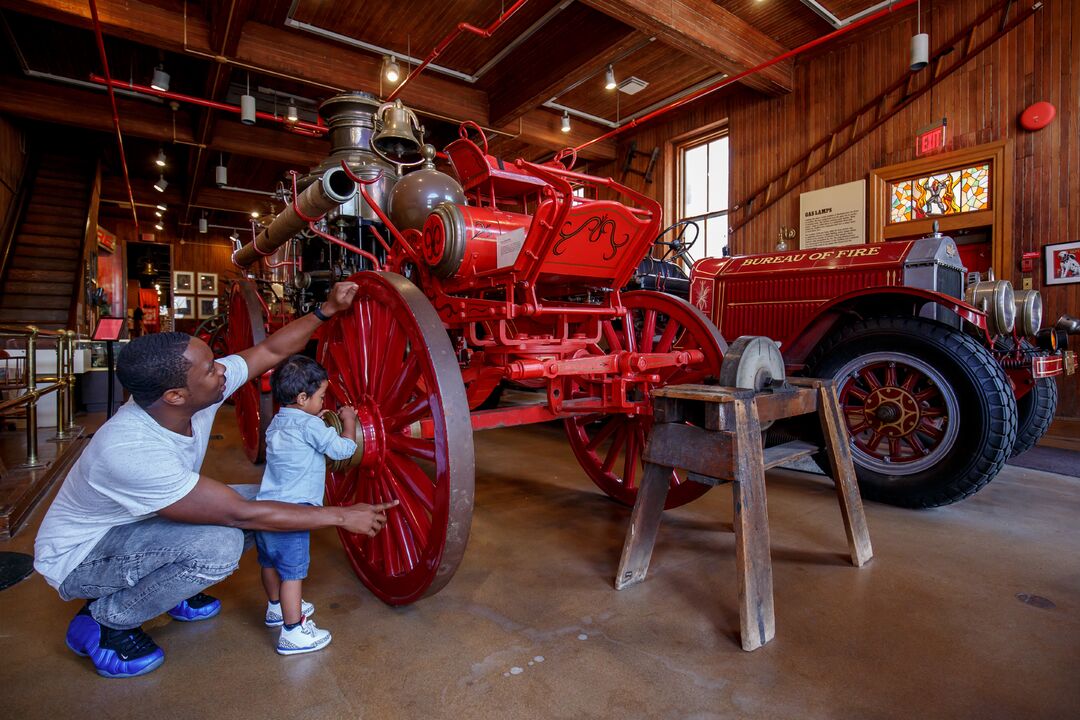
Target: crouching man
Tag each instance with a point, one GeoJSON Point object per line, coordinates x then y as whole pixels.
{"type": "Point", "coordinates": [136, 529]}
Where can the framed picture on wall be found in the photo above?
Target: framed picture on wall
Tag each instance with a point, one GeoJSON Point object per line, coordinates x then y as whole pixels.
{"type": "Point", "coordinates": [1062, 263]}
{"type": "Point", "coordinates": [183, 306]}
{"type": "Point", "coordinates": [207, 284]}
{"type": "Point", "coordinates": [207, 307]}
{"type": "Point", "coordinates": [183, 281]}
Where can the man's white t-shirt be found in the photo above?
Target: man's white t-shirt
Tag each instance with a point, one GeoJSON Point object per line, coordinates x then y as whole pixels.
{"type": "Point", "coordinates": [131, 468]}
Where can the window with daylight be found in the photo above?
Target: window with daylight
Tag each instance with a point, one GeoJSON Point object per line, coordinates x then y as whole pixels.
{"type": "Point", "coordinates": [703, 192]}
{"type": "Point", "coordinates": [945, 193]}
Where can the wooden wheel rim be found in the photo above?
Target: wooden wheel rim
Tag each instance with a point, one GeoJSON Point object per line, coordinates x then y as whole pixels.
{"type": "Point", "coordinates": [390, 357]}
{"type": "Point", "coordinates": [254, 408]}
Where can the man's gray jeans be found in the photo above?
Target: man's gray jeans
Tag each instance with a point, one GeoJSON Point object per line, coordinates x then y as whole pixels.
{"type": "Point", "coordinates": [140, 570]}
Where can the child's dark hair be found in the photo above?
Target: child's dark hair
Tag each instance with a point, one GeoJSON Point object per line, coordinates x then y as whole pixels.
{"type": "Point", "coordinates": [298, 374]}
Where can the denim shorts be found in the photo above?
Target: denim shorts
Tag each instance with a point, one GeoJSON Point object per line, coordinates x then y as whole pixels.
{"type": "Point", "coordinates": [287, 552]}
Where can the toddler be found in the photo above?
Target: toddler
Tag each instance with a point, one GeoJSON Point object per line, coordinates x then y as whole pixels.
{"type": "Point", "coordinates": [296, 443]}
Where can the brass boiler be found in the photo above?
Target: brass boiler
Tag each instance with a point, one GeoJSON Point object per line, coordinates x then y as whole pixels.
{"type": "Point", "coordinates": [352, 120]}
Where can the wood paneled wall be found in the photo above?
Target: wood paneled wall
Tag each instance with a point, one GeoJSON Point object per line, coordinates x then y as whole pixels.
{"type": "Point", "coordinates": [1040, 60]}
{"type": "Point", "coordinates": [12, 165]}
{"type": "Point", "coordinates": [210, 253]}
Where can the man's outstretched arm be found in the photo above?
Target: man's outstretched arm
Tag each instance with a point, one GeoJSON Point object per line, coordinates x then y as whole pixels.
{"type": "Point", "coordinates": [212, 503]}
{"type": "Point", "coordinates": [292, 338]}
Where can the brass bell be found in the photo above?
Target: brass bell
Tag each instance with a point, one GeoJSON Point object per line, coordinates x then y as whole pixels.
{"type": "Point", "coordinates": [396, 137]}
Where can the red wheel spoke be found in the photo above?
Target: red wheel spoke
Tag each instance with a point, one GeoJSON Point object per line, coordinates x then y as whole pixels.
{"type": "Point", "coordinates": [416, 447]}
{"type": "Point", "coordinates": [616, 445]}
{"type": "Point", "coordinates": [668, 337]}
{"type": "Point", "coordinates": [614, 345]}
{"type": "Point", "coordinates": [890, 375]}
{"type": "Point", "coordinates": [856, 391]}
{"type": "Point", "coordinates": [927, 394]}
{"type": "Point", "coordinates": [403, 386]}
{"type": "Point", "coordinates": [894, 447]}
{"type": "Point", "coordinates": [404, 549]}
{"type": "Point", "coordinates": [605, 431]}
{"type": "Point", "coordinates": [394, 366]}
{"type": "Point", "coordinates": [858, 428]}
{"type": "Point", "coordinates": [409, 476]}
{"type": "Point", "coordinates": [916, 445]}
{"type": "Point", "coordinates": [929, 429]}
{"type": "Point", "coordinates": [867, 375]}
{"type": "Point", "coordinates": [911, 380]}
{"type": "Point", "coordinates": [421, 408]}
{"type": "Point", "coordinates": [875, 440]}
{"type": "Point", "coordinates": [648, 331]}
{"type": "Point", "coordinates": [630, 459]}
{"type": "Point", "coordinates": [932, 412]}
{"type": "Point", "coordinates": [418, 520]}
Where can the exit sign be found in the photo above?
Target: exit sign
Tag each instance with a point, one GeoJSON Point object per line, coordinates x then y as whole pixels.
{"type": "Point", "coordinates": [931, 141]}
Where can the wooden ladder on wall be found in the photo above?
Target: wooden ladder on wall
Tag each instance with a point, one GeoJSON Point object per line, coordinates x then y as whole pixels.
{"type": "Point", "coordinates": [879, 110]}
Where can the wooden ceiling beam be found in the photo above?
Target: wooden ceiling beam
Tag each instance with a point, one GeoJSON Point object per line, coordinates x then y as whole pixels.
{"type": "Point", "coordinates": [294, 55]}
{"type": "Point", "coordinates": [701, 28]}
{"type": "Point", "coordinates": [52, 103]}
{"type": "Point", "coordinates": [588, 42]}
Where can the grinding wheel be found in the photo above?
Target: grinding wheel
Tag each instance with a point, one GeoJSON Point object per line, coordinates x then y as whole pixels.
{"type": "Point", "coordinates": [752, 362]}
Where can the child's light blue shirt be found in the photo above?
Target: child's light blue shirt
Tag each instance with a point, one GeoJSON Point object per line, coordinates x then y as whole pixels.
{"type": "Point", "coordinates": [296, 448]}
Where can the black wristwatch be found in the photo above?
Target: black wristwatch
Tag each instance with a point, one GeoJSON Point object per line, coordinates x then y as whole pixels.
{"type": "Point", "coordinates": [317, 312]}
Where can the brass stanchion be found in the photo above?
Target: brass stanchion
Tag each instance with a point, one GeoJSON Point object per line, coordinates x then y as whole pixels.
{"type": "Point", "coordinates": [70, 427]}
{"type": "Point", "coordinates": [32, 460]}
{"type": "Point", "coordinates": [61, 396]}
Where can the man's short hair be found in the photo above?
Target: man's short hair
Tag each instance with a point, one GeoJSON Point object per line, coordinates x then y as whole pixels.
{"type": "Point", "coordinates": [151, 364]}
{"type": "Point", "coordinates": [298, 374]}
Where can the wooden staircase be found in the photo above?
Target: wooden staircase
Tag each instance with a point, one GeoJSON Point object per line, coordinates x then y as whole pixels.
{"type": "Point", "coordinates": [43, 274]}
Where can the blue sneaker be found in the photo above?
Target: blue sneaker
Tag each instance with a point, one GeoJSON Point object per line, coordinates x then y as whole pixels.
{"type": "Point", "coordinates": [115, 653]}
{"type": "Point", "coordinates": [197, 607]}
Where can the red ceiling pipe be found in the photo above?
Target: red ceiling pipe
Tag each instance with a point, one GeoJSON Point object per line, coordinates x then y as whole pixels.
{"type": "Point", "coordinates": [461, 27]}
{"type": "Point", "coordinates": [757, 68]}
{"type": "Point", "coordinates": [305, 128]}
{"type": "Point", "coordinates": [115, 113]}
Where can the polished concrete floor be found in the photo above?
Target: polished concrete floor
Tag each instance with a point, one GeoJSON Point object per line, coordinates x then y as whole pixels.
{"type": "Point", "coordinates": [971, 611]}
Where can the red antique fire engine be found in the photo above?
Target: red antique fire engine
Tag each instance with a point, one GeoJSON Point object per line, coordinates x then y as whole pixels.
{"type": "Point", "coordinates": [511, 279]}
{"type": "Point", "coordinates": [940, 384]}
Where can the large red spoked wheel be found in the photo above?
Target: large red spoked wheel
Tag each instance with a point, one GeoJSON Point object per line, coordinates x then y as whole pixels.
{"type": "Point", "coordinates": [390, 358]}
{"type": "Point", "coordinates": [246, 328]}
{"type": "Point", "coordinates": [610, 449]}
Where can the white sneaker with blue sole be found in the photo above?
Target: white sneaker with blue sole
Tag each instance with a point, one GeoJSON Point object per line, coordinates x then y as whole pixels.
{"type": "Point", "coordinates": [274, 617]}
{"type": "Point", "coordinates": [303, 638]}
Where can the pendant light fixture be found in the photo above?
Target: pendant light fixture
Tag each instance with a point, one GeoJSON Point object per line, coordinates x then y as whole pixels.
{"type": "Point", "coordinates": [162, 207]}
{"type": "Point", "coordinates": [203, 224]}
{"type": "Point", "coordinates": [160, 159]}
{"type": "Point", "coordinates": [920, 44]}
{"type": "Point", "coordinates": [161, 184]}
{"type": "Point", "coordinates": [565, 122]}
{"type": "Point", "coordinates": [247, 105]}
{"type": "Point", "coordinates": [160, 80]}
{"type": "Point", "coordinates": [292, 115]}
{"type": "Point", "coordinates": [391, 70]}
{"type": "Point", "coordinates": [609, 78]}
{"type": "Point", "coordinates": [221, 173]}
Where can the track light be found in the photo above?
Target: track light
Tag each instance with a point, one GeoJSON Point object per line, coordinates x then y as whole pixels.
{"type": "Point", "coordinates": [920, 45]}
{"type": "Point", "coordinates": [159, 227]}
{"type": "Point", "coordinates": [609, 78]}
{"type": "Point", "coordinates": [565, 122]}
{"type": "Point", "coordinates": [161, 184]}
{"type": "Point", "coordinates": [203, 225]}
{"type": "Point", "coordinates": [254, 214]}
{"type": "Point", "coordinates": [292, 115]}
{"type": "Point", "coordinates": [162, 207]}
{"type": "Point", "coordinates": [160, 160]}
{"type": "Point", "coordinates": [247, 105]}
{"type": "Point", "coordinates": [158, 213]}
{"type": "Point", "coordinates": [161, 79]}
{"type": "Point", "coordinates": [235, 237]}
{"type": "Point", "coordinates": [391, 71]}
{"type": "Point", "coordinates": [221, 174]}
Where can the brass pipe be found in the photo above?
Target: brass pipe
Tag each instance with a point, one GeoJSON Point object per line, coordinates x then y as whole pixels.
{"type": "Point", "coordinates": [26, 397]}
{"type": "Point", "coordinates": [334, 188]}
{"type": "Point", "coordinates": [70, 388]}
{"type": "Point", "coordinates": [61, 397]}
{"type": "Point", "coordinates": [31, 405]}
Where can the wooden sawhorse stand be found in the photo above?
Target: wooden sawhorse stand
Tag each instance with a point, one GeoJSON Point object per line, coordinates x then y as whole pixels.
{"type": "Point", "coordinates": [725, 445]}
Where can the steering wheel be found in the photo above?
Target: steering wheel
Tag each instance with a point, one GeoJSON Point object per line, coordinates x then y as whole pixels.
{"type": "Point", "coordinates": [560, 158]}
{"type": "Point", "coordinates": [678, 248]}
{"type": "Point", "coordinates": [463, 133]}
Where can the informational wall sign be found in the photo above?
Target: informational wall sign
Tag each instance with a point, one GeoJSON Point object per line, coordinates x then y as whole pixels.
{"type": "Point", "coordinates": [106, 240]}
{"type": "Point", "coordinates": [833, 216]}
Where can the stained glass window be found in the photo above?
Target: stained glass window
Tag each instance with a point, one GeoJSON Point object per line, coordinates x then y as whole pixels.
{"type": "Point", "coordinates": [945, 193]}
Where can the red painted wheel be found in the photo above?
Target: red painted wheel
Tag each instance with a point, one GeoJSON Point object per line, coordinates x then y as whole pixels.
{"type": "Point", "coordinates": [610, 448]}
{"type": "Point", "coordinates": [390, 358]}
{"type": "Point", "coordinates": [246, 328]}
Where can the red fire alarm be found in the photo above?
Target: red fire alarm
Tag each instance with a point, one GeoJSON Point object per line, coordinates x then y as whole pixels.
{"type": "Point", "coordinates": [1038, 116]}
{"type": "Point", "coordinates": [1027, 261]}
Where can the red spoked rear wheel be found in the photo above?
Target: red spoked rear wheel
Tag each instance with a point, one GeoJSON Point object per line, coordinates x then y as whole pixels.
{"type": "Point", "coordinates": [610, 448]}
{"type": "Point", "coordinates": [390, 358]}
{"type": "Point", "coordinates": [246, 328]}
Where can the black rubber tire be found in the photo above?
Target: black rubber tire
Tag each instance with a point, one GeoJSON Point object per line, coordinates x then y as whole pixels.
{"type": "Point", "coordinates": [1035, 410]}
{"type": "Point", "coordinates": [987, 407]}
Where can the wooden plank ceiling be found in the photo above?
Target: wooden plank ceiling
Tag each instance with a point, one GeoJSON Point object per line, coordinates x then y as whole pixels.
{"type": "Point", "coordinates": [549, 56]}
